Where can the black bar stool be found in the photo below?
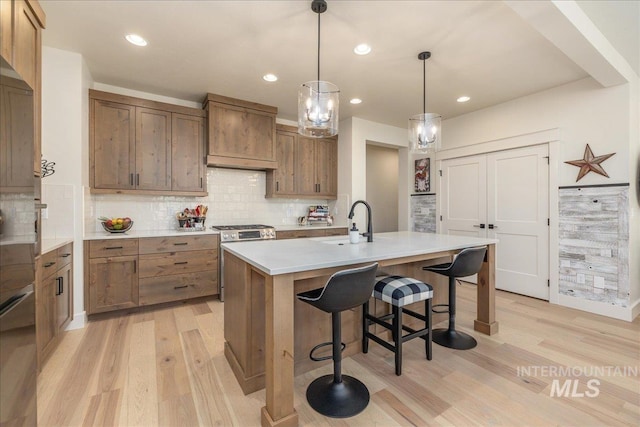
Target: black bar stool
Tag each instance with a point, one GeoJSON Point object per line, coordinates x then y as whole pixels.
{"type": "Point", "coordinates": [399, 291]}
{"type": "Point", "coordinates": [337, 395]}
{"type": "Point", "coordinates": [466, 263]}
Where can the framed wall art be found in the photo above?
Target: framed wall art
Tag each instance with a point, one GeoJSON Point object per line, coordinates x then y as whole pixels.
{"type": "Point", "coordinates": [422, 176]}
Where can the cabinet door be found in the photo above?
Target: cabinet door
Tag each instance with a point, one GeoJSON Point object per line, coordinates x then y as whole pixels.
{"type": "Point", "coordinates": [153, 149]}
{"type": "Point", "coordinates": [241, 133]}
{"type": "Point", "coordinates": [6, 30]}
{"type": "Point", "coordinates": [64, 291]}
{"type": "Point", "coordinates": [113, 151]}
{"type": "Point", "coordinates": [46, 326]}
{"type": "Point", "coordinates": [284, 176]}
{"type": "Point", "coordinates": [305, 177]}
{"type": "Point", "coordinates": [113, 283]}
{"type": "Point", "coordinates": [187, 153]}
{"type": "Point", "coordinates": [16, 135]}
{"type": "Point", "coordinates": [26, 53]}
{"type": "Point", "coordinates": [327, 167]}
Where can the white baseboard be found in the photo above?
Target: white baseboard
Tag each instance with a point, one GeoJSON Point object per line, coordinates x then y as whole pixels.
{"type": "Point", "coordinates": [597, 307]}
{"type": "Point", "coordinates": [635, 309]}
{"type": "Point", "coordinates": [78, 322]}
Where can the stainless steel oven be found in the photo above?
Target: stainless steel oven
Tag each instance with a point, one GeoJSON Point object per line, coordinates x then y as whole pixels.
{"type": "Point", "coordinates": [240, 233]}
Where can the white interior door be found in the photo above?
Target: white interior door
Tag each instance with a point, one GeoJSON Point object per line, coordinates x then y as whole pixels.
{"type": "Point", "coordinates": [463, 187]}
{"type": "Point", "coordinates": [503, 195]}
{"type": "Point", "coordinates": [518, 212]}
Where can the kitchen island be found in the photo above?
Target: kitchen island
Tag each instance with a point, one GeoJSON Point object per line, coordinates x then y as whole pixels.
{"type": "Point", "coordinates": [267, 331]}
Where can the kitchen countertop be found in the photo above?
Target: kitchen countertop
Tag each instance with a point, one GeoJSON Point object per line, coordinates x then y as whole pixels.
{"type": "Point", "coordinates": [49, 245]}
{"type": "Point", "coordinates": [135, 234]}
{"type": "Point", "coordinates": [290, 256]}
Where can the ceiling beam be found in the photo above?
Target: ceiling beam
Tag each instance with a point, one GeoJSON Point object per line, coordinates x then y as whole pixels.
{"type": "Point", "coordinates": [567, 26]}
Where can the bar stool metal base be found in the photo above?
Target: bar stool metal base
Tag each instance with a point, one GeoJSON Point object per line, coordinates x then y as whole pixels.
{"type": "Point", "coordinates": [453, 339]}
{"type": "Point", "coordinates": [337, 400]}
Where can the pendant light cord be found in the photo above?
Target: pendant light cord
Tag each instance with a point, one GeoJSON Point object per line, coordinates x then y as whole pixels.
{"type": "Point", "coordinates": [319, 47]}
{"type": "Point", "coordinates": [424, 86]}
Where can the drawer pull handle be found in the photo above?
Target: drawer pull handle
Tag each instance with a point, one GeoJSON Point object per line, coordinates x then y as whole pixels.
{"type": "Point", "coordinates": [66, 255]}
{"type": "Point", "coordinates": [181, 262]}
{"type": "Point", "coordinates": [49, 264]}
{"type": "Point", "coordinates": [180, 287]}
{"type": "Point", "coordinates": [181, 244]}
{"type": "Point", "coordinates": [114, 247]}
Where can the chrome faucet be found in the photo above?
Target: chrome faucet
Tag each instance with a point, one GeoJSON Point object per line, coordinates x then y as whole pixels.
{"type": "Point", "coordinates": [369, 233]}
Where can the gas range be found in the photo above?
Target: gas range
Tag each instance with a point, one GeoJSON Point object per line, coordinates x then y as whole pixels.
{"type": "Point", "coordinates": [236, 233]}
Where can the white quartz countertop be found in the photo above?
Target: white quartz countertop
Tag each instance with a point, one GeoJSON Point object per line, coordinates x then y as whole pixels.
{"type": "Point", "coordinates": [135, 234]}
{"type": "Point", "coordinates": [275, 257]}
{"type": "Point", "coordinates": [49, 245]}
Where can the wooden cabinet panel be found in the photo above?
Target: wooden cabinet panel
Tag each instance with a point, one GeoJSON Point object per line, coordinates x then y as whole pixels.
{"type": "Point", "coordinates": [342, 231]}
{"type": "Point", "coordinates": [310, 232]}
{"type": "Point", "coordinates": [64, 292]}
{"type": "Point", "coordinates": [26, 39]}
{"type": "Point", "coordinates": [177, 287]}
{"type": "Point", "coordinates": [113, 146]}
{"type": "Point", "coordinates": [46, 321]}
{"type": "Point", "coordinates": [187, 153]}
{"type": "Point", "coordinates": [311, 165]}
{"type": "Point", "coordinates": [153, 265]}
{"type": "Point", "coordinates": [6, 30]}
{"type": "Point", "coordinates": [112, 247]}
{"type": "Point", "coordinates": [16, 135]}
{"type": "Point", "coordinates": [113, 283]}
{"type": "Point", "coordinates": [282, 180]}
{"type": "Point", "coordinates": [155, 245]}
{"type": "Point", "coordinates": [326, 167]}
{"type": "Point", "coordinates": [153, 149]}
{"type": "Point", "coordinates": [132, 147]}
{"type": "Point", "coordinates": [242, 134]}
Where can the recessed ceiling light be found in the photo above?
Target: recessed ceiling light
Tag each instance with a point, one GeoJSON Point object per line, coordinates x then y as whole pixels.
{"type": "Point", "coordinates": [270, 77]}
{"type": "Point", "coordinates": [136, 39]}
{"type": "Point", "coordinates": [463, 99]}
{"type": "Point", "coordinates": [362, 49]}
{"type": "Point", "coordinates": [356, 101]}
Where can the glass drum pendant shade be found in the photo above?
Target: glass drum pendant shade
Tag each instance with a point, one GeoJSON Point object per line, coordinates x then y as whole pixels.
{"type": "Point", "coordinates": [424, 132]}
{"type": "Point", "coordinates": [318, 104]}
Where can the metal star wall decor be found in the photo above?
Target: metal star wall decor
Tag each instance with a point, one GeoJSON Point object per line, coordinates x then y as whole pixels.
{"type": "Point", "coordinates": [590, 163]}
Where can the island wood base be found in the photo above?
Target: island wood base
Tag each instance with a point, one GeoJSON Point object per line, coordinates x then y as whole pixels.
{"type": "Point", "coordinates": [265, 349]}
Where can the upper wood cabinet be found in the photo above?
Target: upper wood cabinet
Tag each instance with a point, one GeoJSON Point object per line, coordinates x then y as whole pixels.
{"type": "Point", "coordinates": [242, 134]}
{"type": "Point", "coordinates": [16, 135]}
{"type": "Point", "coordinates": [142, 146]}
{"type": "Point", "coordinates": [307, 167]}
{"type": "Point", "coordinates": [21, 24]}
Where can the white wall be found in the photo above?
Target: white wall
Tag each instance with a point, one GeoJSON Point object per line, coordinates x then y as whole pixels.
{"type": "Point", "coordinates": [65, 79]}
{"type": "Point", "coordinates": [583, 112]}
{"type": "Point", "coordinates": [355, 133]}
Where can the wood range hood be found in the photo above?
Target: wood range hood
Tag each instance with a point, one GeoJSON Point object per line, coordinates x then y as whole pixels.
{"type": "Point", "coordinates": [242, 134]}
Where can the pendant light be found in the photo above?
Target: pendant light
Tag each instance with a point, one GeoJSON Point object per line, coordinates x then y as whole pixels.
{"type": "Point", "coordinates": [318, 100]}
{"type": "Point", "coordinates": [424, 129]}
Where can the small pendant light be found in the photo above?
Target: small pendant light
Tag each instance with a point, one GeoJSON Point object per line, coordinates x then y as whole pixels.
{"type": "Point", "coordinates": [424, 129]}
{"type": "Point", "coordinates": [318, 100]}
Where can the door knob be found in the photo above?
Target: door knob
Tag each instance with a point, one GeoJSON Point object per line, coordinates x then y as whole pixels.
{"type": "Point", "coordinates": [480, 226]}
{"type": "Point", "coordinates": [491, 226]}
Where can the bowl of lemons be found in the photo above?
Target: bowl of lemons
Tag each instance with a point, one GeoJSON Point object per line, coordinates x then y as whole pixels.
{"type": "Point", "coordinates": [116, 225]}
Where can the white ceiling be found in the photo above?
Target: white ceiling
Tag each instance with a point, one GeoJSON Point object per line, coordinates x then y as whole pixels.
{"type": "Point", "coordinates": [482, 49]}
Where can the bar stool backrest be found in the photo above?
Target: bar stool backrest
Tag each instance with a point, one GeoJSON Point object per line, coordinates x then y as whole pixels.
{"type": "Point", "coordinates": [347, 289]}
{"type": "Point", "coordinates": [468, 262]}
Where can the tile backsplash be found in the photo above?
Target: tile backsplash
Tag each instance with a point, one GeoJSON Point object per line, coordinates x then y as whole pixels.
{"type": "Point", "coordinates": [235, 197]}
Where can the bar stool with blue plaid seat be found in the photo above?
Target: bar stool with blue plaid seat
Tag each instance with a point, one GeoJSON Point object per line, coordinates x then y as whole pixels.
{"type": "Point", "coordinates": [399, 291]}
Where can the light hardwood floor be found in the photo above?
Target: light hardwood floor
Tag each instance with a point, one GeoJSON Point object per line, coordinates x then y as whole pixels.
{"type": "Point", "coordinates": [165, 366]}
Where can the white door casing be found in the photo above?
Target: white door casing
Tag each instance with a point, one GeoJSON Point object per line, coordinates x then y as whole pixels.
{"type": "Point", "coordinates": [506, 193]}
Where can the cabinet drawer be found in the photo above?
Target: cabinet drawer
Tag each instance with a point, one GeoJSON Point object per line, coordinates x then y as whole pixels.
{"type": "Point", "coordinates": [298, 234]}
{"type": "Point", "coordinates": [167, 263]}
{"type": "Point", "coordinates": [112, 247]}
{"type": "Point", "coordinates": [49, 263]}
{"type": "Point", "coordinates": [153, 290]}
{"type": "Point", "coordinates": [64, 255]}
{"type": "Point", "coordinates": [336, 231]}
{"type": "Point", "coordinates": [154, 245]}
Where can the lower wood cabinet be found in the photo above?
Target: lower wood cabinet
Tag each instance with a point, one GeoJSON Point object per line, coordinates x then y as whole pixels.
{"type": "Point", "coordinates": [54, 298]}
{"type": "Point", "coordinates": [149, 271]}
{"type": "Point", "coordinates": [311, 232]}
